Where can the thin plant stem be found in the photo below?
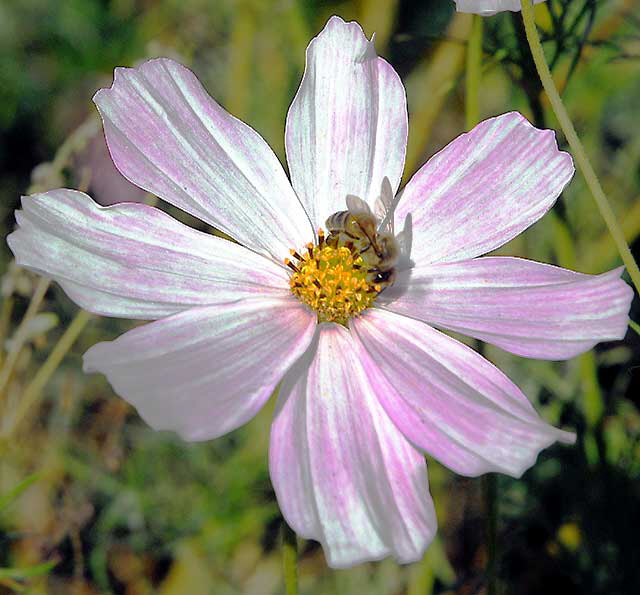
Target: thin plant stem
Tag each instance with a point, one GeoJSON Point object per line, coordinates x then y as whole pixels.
{"type": "Point", "coordinates": [577, 149]}
{"type": "Point", "coordinates": [5, 320]}
{"type": "Point", "coordinates": [435, 77]}
{"type": "Point", "coordinates": [490, 497]}
{"type": "Point", "coordinates": [421, 577]}
{"type": "Point", "coordinates": [473, 74]}
{"type": "Point", "coordinates": [21, 333]}
{"type": "Point", "coordinates": [33, 391]}
{"type": "Point", "coordinates": [289, 559]}
{"type": "Point", "coordinates": [635, 326]}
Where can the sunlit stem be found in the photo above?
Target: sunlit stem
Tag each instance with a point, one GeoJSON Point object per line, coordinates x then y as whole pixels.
{"type": "Point", "coordinates": [473, 74]}
{"type": "Point", "coordinates": [577, 149]}
{"type": "Point", "coordinates": [422, 579]}
{"type": "Point", "coordinates": [33, 392]}
{"type": "Point", "coordinates": [22, 332]}
{"type": "Point", "coordinates": [635, 326]}
{"type": "Point", "coordinates": [289, 559]}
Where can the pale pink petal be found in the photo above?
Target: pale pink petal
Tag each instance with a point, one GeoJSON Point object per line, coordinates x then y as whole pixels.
{"type": "Point", "coordinates": [134, 261]}
{"type": "Point", "coordinates": [343, 473]}
{"type": "Point", "coordinates": [347, 126]}
{"type": "Point", "coordinates": [528, 308]}
{"type": "Point", "coordinates": [168, 136]}
{"type": "Point", "coordinates": [489, 7]}
{"type": "Point", "coordinates": [450, 401]}
{"type": "Point", "coordinates": [483, 189]}
{"type": "Point", "coordinates": [208, 370]}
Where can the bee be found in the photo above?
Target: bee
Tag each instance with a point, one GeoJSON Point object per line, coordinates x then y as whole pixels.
{"type": "Point", "coordinates": [357, 228]}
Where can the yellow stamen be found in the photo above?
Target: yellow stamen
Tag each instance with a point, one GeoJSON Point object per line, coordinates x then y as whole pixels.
{"type": "Point", "coordinates": [333, 280]}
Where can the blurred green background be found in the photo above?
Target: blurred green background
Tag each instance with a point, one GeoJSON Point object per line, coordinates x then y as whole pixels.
{"type": "Point", "coordinates": [93, 501]}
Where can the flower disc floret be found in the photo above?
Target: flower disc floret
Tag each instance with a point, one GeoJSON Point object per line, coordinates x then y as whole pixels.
{"type": "Point", "coordinates": [334, 281]}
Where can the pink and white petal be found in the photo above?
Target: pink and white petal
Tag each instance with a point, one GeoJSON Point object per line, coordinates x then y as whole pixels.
{"type": "Point", "coordinates": [208, 370]}
{"type": "Point", "coordinates": [526, 307]}
{"type": "Point", "coordinates": [489, 7]}
{"type": "Point", "coordinates": [483, 189]}
{"type": "Point", "coordinates": [168, 136]}
{"type": "Point", "coordinates": [343, 473]}
{"type": "Point", "coordinates": [134, 261]}
{"type": "Point", "coordinates": [449, 400]}
{"type": "Point", "coordinates": [347, 125]}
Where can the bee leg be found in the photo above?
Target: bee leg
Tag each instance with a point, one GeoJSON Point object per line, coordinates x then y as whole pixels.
{"type": "Point", "coordinates": [332, 240]}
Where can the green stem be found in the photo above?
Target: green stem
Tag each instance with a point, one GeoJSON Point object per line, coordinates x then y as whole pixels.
{"type": "Point", "coordinates": [289, 559]}
{"type": "Point", "coordinates": [635, 326]}
{"type": "Point", "coordinates": [21, 333]}
{"type": "Point", "coordinates": [5, 320]}
{"type": "Point", "coordinates": [577, 149]}
{"type": "Point", "coordinates": [421, 579]}
{"type": "Point", "coordinates": [473, 74]}
{"type": "Point", "coordinates": [33, 391]}
{"type": "Point", "coordinates": [490, 497]}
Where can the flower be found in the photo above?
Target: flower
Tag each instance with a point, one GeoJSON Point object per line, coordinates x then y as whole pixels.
{"type": "Point", "coordinates": [94, 164]}
{"type": "Point", "coordinates": [489, 7]}
{"type": "Point", "coordinates": [364, 391]}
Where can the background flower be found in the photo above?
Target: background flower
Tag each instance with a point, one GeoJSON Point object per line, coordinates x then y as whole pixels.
{"type": "Point", "coordinates": [93, 165]}
{"type": "Point", "coordinates": [489, 7]}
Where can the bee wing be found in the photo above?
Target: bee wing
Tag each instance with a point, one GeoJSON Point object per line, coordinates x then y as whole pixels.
{"type": "Point", "coordinates": [356, 205]}
{"type": "Point", "coordinates": [385, 206]}
{"type": "Point", "coordinates": [405, 238]}
{"type": "Point", "coordinates": [383, 202]}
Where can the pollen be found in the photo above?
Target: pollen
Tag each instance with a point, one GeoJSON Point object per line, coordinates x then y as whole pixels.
{"type": "Point", "coordinates": [333, 280]}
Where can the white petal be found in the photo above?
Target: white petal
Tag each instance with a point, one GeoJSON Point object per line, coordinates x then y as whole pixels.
{"type": "Point", "coordinates": [343, 473]}
{"type": "Point", "coordinates": [134, 261]}
{"type": "Point", "coordinates": [482, 189]}
{"type": "Point", "coordinates": [489, 7]}
{"type": "Point", "coordinates": [168, 136]}
{"type": "Point", "coordinates": [450, 401]}
{"type": "Point", "coordinates": [347, 126]}
{"type": "Point", "coordinates": [206, 371]}
{"type": "Point", "coordinates": [528, 308]}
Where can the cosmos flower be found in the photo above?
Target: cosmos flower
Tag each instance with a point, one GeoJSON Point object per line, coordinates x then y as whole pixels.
{"type": "Point", "coordinates": [347, 325]}
{"type": "Point", "coordinates": [106, 184]}
{"type": "Point", "coordinates": [489, 7]}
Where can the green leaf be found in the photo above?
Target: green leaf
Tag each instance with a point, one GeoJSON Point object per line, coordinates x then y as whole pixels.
{"type": "Point", "coordinates": [14, 493]}
{"type": "Point", "coordinates": [31, 571]}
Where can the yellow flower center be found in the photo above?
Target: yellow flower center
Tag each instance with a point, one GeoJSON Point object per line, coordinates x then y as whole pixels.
{"type": "Point", "coordinates": [333, 280]}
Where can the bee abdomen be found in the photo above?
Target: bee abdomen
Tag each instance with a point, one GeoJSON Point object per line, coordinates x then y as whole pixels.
{"type": "Point", "coordinates": [336, 222]}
